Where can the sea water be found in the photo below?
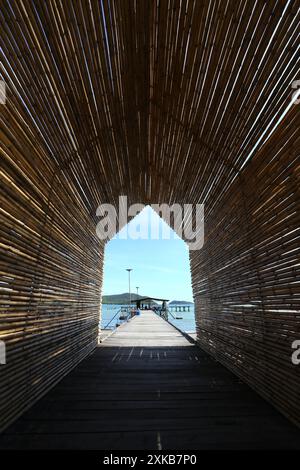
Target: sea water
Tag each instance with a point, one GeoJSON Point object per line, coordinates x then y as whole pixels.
{"type": "Point", "coordinates": [186, 323]}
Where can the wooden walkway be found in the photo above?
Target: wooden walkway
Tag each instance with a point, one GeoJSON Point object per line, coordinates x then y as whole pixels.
{"type": "Point", "coordinates": [148, 387]}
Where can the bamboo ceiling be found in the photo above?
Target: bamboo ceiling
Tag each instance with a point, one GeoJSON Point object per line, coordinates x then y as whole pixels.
{"type": "Point", "coordinates": [163, 101]}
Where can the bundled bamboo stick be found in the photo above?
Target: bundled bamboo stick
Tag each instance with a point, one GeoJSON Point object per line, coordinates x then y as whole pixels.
{"type": "Point", "coordinates": [163, 101]}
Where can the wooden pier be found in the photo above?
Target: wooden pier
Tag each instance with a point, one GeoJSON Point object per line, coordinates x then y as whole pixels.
{"type": "Point", "coordinates": [148, 387]}
{"type": "Point", "coordinates": [179, 308]}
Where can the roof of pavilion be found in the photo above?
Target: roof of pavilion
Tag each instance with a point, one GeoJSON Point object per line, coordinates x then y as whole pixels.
{"type": "Point", "coordinates": [143, 299]}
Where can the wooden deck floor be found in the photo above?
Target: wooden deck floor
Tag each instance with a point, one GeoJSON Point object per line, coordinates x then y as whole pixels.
{"type": "Point", "coordinates": [147, 387]}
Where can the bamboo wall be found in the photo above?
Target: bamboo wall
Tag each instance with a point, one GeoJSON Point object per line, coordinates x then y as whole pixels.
{"type": "Point", "coordinates": [162, 101]}
{"type": "Point", "coordinates": [246, 277]}
{"type": "Point", "coordinates": [51, 275]}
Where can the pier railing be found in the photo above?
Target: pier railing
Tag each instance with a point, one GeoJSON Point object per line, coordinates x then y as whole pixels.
{"type": "Point", "coordinates": [124, 317]}
{"type": "Point", "coordinates": [165, 314]}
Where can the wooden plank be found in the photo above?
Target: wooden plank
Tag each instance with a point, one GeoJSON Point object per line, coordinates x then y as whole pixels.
{"type": "Point", "coordinates": [125, 396]}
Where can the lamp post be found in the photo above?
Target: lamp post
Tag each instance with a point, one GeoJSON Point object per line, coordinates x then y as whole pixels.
{"type": "Point", "coordinates": [137, 291]}
{"type": "Point", "coordinates": [129, 269]}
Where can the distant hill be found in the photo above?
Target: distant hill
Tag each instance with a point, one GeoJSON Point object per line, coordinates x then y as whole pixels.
{"type": "Point", "coordinates": [120, 298]}
{"type": "Point", "coordinates": [180, 302]}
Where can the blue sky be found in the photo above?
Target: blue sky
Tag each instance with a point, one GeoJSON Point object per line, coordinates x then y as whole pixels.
{"type": "Point", "coordinates": [160, 266]}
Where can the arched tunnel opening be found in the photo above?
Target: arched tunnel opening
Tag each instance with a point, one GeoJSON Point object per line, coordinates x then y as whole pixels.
{"type": "Point", "coordinates": [160, 267]}
{"type": "Point", "coordinates": [189, 103]}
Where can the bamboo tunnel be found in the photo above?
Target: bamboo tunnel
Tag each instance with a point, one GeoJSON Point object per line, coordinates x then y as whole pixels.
{"type": "Point", "coordinates": [163, 101]}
